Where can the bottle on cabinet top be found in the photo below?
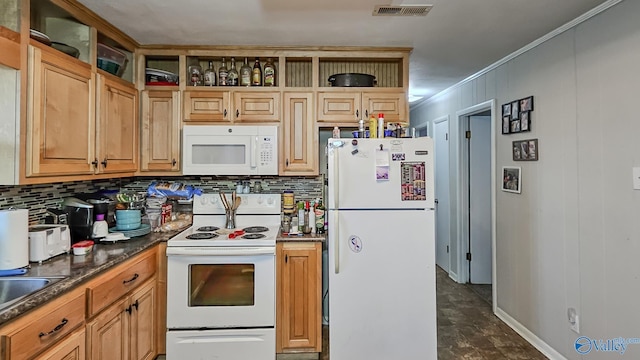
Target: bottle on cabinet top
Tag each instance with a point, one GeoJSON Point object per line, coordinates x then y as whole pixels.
{"type": "Point", "coordinates": [232, 76]}
{"type": "Point", "coordinates": [210, 75]}
{"type": "Point", "coordinates": [245, 73]}
{"type": "Point", "coordinates": [269, 73]}
{"type": "Point", "coordinates": [223, 74]}
{"type": "Point", "coordinates": [256, 74]}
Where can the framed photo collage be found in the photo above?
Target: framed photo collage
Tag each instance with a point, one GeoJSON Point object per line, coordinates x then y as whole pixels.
{"type": "Point", "coordinates": [516, 116]}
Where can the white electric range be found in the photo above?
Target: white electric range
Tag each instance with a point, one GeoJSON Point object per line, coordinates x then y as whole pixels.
{"type": "Point", "coordinates": [221, 282]}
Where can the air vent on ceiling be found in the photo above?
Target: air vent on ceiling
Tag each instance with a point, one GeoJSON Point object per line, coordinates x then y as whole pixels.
{"type": "Point", "coordinates": [401, 10]}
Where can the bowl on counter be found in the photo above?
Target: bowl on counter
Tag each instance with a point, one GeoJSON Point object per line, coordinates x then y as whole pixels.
{"type": "Point", "coordinates": [83, 247]}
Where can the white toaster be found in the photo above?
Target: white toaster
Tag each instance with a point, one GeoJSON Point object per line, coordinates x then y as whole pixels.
{"type": "Point", "coordinates": [47, 241]}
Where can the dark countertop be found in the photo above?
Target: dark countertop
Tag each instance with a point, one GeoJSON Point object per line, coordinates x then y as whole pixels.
{"type": "Point", "coordinates": [75, 270]}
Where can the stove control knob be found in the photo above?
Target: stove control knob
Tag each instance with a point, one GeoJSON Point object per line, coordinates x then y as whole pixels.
{"type": "Point", "coordinates": [203, 200]}
{"type": "Point", "coordinates": [270, 201]}
{"type": "Point", "coordinates": [260, 200]}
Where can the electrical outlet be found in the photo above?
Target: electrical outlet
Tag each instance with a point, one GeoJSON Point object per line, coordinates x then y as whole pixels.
{"type": "Point", "coordinates": [574, 320]}
{"type": "Point", "coordinates": [636, 178]}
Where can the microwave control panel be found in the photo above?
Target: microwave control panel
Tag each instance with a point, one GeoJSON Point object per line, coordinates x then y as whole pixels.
{"type": "Point", "coordinates": [267, 150]}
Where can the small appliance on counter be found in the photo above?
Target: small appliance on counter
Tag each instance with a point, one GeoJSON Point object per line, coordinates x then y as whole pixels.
{"type": "Point", "coordinates": [47, 241]}
{"type": "Point", "coordinates": [14, 239]}
{"type": "Point", "coordinates": [79, 217]}
{"type": "Point", "coordinates": [55, 216]}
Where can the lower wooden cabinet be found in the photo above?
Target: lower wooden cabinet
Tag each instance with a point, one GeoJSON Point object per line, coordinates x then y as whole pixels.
{"type": "Point", "coordinates": [125, 330]}
{"type": "Point", "coordinates": [299, 297]}
{"type": "Point", "coordinates": [44, 328]}
{"type": "Point", "coordinates": [70, 348]}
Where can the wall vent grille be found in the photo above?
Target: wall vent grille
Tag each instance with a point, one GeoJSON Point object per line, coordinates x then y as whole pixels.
{"type": "Point", "coordinates": [401, 10]}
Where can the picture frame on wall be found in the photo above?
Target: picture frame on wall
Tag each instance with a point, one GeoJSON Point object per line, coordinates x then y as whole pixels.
{"type": "Point", "coordinates": [524, 121]}
{"type": "Point", "coordinates": [525, 150]}
{"type": "Point", "coordinates": [515, 110]}
{"type": "Point", "coordinates": [526, 104]}
{"type": "Point", "coordinates": [506, 110]}
{"type": "Point", "coordinates": [506, 124]}
{"type": "Point", "coordinates": [515, 126]}
{"type": "Point", "coordinates": [511, 179]}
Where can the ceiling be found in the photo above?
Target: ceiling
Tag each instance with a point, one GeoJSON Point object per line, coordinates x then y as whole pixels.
{"type": "Point", "coordinates": [454, 40]}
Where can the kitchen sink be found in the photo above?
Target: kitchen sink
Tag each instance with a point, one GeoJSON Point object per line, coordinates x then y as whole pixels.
{"type": "Point", "coordinates": [13, 289]}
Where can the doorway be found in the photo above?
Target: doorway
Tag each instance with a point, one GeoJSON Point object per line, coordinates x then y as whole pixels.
{"type": "Point", "coordinates": [474, 164]}
{"type": "Point", "coordinates": [442, 198]}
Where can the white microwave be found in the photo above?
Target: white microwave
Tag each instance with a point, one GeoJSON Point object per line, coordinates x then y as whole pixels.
{"type": "Point", "coordinates": [229, 150]}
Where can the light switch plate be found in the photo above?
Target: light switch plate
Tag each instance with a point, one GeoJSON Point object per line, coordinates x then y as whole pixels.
{"type": "Point", "coordinates": [636, 178]}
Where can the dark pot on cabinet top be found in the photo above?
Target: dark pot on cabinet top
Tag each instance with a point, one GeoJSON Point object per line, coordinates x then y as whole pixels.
{"type": "Point", "coordinates": [352, 80]}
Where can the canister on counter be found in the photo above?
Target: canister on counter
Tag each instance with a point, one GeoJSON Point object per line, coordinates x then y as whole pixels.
{"type": "Point", "coordinates": [288, 204]}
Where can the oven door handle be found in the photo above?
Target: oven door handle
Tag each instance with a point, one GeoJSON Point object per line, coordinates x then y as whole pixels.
{"type": "Point", "coordinates": [221, 251]}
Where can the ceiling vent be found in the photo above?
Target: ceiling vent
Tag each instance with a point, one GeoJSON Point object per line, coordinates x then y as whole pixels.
{"type": "Point", "coordinates": [401, 10]}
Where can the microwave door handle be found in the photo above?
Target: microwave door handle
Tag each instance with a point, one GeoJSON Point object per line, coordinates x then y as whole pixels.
{"type": "Point", "coordinates": [254, 151]}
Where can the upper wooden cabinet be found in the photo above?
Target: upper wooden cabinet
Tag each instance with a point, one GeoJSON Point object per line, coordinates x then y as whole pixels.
{"type": "Point", "coordinates": [117, 126]}
{"type": "Point", "coordinates": [207, 106]}
{"type": "Point", "coordinates": [299, 135]}
{"type": "Point", "coordinates": [61, 130]}
{"type": "Point", "coordinates": [345, 108]}
{"type": "Point", "coordinates": [256, 107]}
{"type": "Point", "coordinates": [63, 105]}
{"type": "Point", "coordinates": [246, 107]}
{"type": "Point", "coordinates": [160, 128]}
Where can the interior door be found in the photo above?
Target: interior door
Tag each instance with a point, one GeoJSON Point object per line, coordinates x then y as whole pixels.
{"type": "Point", "coordinates": [441, 150]}
{"type": "Point", "coordinates": [480, 199]}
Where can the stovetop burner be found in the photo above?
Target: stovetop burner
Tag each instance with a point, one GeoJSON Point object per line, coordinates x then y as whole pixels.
{"type": "Point", "coordinates": [255, 229]}
{"type": "Point", "coordinates": [208, 228]}
{"type": "Point", "coordinates": [253, 236]}
{"type": "Point", "coordinates": [201, 236]}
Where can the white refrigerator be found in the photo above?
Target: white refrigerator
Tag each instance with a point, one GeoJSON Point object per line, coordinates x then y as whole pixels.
{"type": "Point", "coordinates": [382, 302]}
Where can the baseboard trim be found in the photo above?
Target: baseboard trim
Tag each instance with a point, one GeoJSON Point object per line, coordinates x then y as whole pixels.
{"type": "Point", "coordinates": [542, 346]}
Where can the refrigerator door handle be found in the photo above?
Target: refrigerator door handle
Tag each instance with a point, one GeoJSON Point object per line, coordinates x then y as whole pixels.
{"type": "Point", "coordinates": [336, 178]}
{"type": "Point", "coordinates": [336, 241]}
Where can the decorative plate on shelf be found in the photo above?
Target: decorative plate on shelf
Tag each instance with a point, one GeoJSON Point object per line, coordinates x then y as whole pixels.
{"type": "Point", "coordinates": [144, 229]}
{"type": "Point", "coordinates": [37, 35]}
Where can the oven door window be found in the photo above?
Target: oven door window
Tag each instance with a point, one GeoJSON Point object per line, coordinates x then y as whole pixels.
{"type": "Point", "coordinates": [222, 285]}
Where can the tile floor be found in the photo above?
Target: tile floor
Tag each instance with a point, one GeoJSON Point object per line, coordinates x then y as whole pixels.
{"type": "Point", "coordinates": [467, 327]}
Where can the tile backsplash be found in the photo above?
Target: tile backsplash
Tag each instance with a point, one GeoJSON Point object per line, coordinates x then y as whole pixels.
{"type": "Point", "coordinates": [37, 198]}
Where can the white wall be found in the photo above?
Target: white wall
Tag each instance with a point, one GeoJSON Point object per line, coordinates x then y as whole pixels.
{"type": "Point", "coordinates": [572, 238]}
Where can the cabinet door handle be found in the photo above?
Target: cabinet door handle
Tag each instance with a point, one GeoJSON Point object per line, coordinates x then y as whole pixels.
{"type": "Point", "coordinates": [357, 113]}
{"type": "Point", "coordinates": [128, 310]}
{"type": "Point", "coordinates": [224, 113]}
{"type": "Point", "coordinates": [286, 162]}
{"type": "Point", "coordinates": [135, 305]}
{"type": "Point", "coordinates": [237, 113]}
{"type": "Point", "coordinates": [104, 163]}
{"type": "Point", "coordinates": [286, 258]}
{"type": "Point", "coordinates": [95, 162]}
{"type": "Point", "coordinates": [366, 113]}
{"type": "Point", "coordinates": [173, 162]}
{"type": "Point", "coordinates": [55, 329]}
{"type": "Point", "coordinates": [135, 276]}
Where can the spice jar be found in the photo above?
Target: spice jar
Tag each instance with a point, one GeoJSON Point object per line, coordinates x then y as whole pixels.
{"type": "Point", "coordinates": [288, 204]}
{"type": "Point", "coordinates": [257, 187]}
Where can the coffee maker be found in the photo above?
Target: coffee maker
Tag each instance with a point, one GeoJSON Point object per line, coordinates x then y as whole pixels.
{"type": "Point", "coordinates": [79, 217]}
{"type": "Point", "coordinates": [100, 212]}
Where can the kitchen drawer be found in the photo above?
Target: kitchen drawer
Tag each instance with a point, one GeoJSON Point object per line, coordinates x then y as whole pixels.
{"type": "Point", "coordinates": [111, 286]}
{"type": "Point", "coordinates": [45, 326]}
